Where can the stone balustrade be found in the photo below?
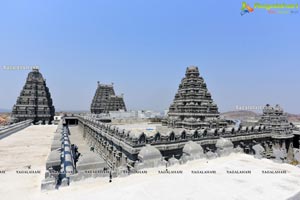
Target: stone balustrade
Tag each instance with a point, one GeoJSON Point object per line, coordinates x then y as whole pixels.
{"type": "Point", "coordinates": [13, 128]}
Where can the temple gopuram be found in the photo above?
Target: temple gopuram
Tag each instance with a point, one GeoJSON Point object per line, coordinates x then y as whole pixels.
{"type": "Point", "coordinates": [276, 120]}
{"type": "Point", "coordinates": [106, 100]}
{"type": "Point", "coordinates": [35, 102]}
{"type": "Point", "coordinates": [193, 106]}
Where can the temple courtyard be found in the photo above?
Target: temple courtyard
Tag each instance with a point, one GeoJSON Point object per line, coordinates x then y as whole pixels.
{"type": "Point", "coordinates": [238, 176]}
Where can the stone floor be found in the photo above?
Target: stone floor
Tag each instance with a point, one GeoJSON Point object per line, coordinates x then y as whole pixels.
{"type": "Point", "coordinates": [188, 186]}
{"type": "Point", "coordinates": [24, 151]}
{"type": "Point", "coordinates": [88, 159]}
{"type": "Point", "coordinates": [76, 137]}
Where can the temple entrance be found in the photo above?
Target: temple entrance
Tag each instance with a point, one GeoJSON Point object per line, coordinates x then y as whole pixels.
{"type": "Point", "coordinates": [296, 141]}
{"type": "Point", "coordinates": [71, 121]}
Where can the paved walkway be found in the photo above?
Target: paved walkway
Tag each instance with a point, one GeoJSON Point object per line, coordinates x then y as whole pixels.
{"type": "Point", "coordinates": [76, 138]}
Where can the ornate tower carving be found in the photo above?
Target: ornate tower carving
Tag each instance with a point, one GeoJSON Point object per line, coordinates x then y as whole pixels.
{"type": "Point", "coordinates": [35, 100]}
{"type": "Point", "coordinates": [105, 100]}
{"type": "Point", "coordinates": [275, 119]}
{"type": "Point", "coordinates": [193, 106]}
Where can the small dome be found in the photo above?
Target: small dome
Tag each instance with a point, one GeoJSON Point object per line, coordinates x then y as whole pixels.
{"type": "Point", "coordinates": [258, 149]}
{"type": "Point", "coordinates": [278, 108]}
{"type": "Point", "coordinates": [149, 152]}
{"type": "Point", "coordinates": [192, 70]}
{"type": "Point", "coordinates": [224, 143]}
{"type": "Point", "coordinates": [35, 75]}
{"type": "Point", "coordinates": [173, 161]}
{"type": "Point", "coordinates": [268, 109]}
{"type": "Point", "coordinates": [192, 148]}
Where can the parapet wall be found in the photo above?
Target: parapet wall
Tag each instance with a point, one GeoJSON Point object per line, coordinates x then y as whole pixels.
{"type": "Point", "coordinates": [166, 135]}
{"type": "Point", "coordinates": [121, 147]}
{"type": "Point", "coordinates": [13, 128]}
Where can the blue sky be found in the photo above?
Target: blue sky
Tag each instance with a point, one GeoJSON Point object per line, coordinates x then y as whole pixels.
{"type": "Point", "coordinates": [144, 48]}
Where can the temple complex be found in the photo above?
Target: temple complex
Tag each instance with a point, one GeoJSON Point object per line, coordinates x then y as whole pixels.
{"type": "Point", "coordinates": [193, 106]}
{"type": "Point", "coordinates": [105, 100]}
{"type": "Point", "coordinates": [35, 102]}
{"type": "Point", "coordinates": [191, 130]}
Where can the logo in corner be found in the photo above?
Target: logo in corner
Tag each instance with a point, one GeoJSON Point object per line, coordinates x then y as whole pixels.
{"type": "Point", "coordinates": [246, 8]}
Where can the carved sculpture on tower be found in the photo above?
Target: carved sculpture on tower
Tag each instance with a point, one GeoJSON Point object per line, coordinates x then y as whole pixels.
{"type": "Point", "coordinates": [35, 100]}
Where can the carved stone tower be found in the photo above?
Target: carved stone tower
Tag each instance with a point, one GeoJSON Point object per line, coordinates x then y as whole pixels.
{"type": "Point", "coordinates": [275, 119]}
{"type": "Point", "coordinates": [105, 100]}
{"type": "Point", "coordinates": [35, 100]}
{"type": "Point", "coordinates": [193, 106]}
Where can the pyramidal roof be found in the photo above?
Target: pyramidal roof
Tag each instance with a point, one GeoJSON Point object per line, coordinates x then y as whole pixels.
{"type": "Point", "coordinates": [106, 100]}
{"type": "Point", "coordinates": [275, 119]}
{"type": "Point", "coordinates": [35, 100]}
{"type": "Point", "coordinates": [193, 106]}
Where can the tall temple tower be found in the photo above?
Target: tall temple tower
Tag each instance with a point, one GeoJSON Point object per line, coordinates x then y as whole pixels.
{"type": "Point", "coordinates": [35, 101]}
{"type": "Point", "coordinates": [105, 100]}
{"type": "Point", "coordinates": [193, 106]}
{"type": "Point", "coordinates": [275, 119]}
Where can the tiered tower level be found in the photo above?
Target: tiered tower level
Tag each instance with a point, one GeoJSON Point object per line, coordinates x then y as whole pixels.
{"type": "Point", "coordinates": [105, 100]}
{"type": "Point", "coordinates": [35, 102]}
{"type": "Point", "coordinates": [193, 106]}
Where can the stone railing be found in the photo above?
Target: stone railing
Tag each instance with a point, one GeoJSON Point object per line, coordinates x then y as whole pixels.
{"type": "Point", "coordinates": [12, 128]}
{"type": "Point", "coordinates": [163, 136]}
